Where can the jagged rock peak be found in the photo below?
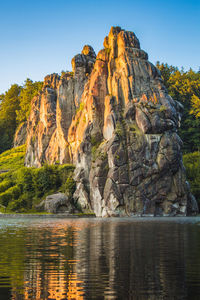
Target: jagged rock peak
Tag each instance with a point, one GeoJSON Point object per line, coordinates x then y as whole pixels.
{"type": "Point", "coordinates": [51, 81]}
{"type": "Point", "coordinates": [88, 51]}
{"type": "Point", "coordinates": [83, 63]}
{"type": "Point", "coordinates": [127, 38]}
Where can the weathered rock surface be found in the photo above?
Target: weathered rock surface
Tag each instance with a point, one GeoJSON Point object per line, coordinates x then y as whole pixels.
{"type": "Point", "coordinates": [57, 203]}
{"type": "Point", "coordinates": [20, 135]}
{"type": "Point", "coordinates": [116, 122]}
{"type": "Point", "coordinates": [53, 109]}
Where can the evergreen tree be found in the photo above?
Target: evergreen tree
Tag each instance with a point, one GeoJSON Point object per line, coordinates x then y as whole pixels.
{"type": "Point", "coordinates": [15, 107]}
{"type": "Point", "coordinates": [29, 90]}
{"type": "Point", "coordinates": [8, 107]}
{"type": "Point", "coordinates": [185, 88]}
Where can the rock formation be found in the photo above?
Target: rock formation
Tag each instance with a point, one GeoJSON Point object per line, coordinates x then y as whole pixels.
{"type": "Point", "coordinates": [20, 135]}
{"type": "Point", "coordinates": [113, 118]}
{"type": "Point", "coordinates": [56, 203]}
{"type": "Point", "coordinates": [53, 109]}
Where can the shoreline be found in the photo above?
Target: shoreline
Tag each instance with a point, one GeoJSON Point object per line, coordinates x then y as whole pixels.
{"type": "Point", "coordinates": [62, 216]}
{"type": "Point", "coordinates": [77, 216]}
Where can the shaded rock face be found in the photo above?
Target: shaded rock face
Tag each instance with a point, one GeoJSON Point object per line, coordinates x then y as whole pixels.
{"type": "Point", "coordinates": [20, 135]}
{"type": "Point", "coordinates": [123, 136]}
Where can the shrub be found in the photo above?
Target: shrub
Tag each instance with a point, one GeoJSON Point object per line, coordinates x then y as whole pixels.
{"type": "Point", "coordinates": [192, 164]}
{"type": "Point", "coordinates": [5, 184]}
{"type": "Point", "coordinates": [5, 198]}
{"type": "Point", "coordinates": [65, 171]}
{"type": "Point", "coordinates": [119, 129]}
{"type": "Point", "coordinates": [21, 188]}
{"type": "Point", "coordinates": [163, 108]}
{"type": "Point", "coordinates": [11, 194]}
{"type": "Point", "coordinates": [81, 107]}
{"type": "Point", "coordinates": [15, 191]}
{"type": "Point", "coordinates": [13, 159]}
{"type": "Point", "coordinates": [70, 187]}
{"type": "Point", "coordinates": [23, 203]}
{"type": "Point", "coordinates": [24, 177]}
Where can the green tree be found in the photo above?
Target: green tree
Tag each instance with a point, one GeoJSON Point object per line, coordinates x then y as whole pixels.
{"type": "Point", "coordinates": [9, 104]}
{"type": "Point", "coordinates": [166, 72]}
{"type": "Point", "coordinates": [195, 103]}
{"type": "Point", "coordinates": [184, 86]}
{"type": "Point", "coordinates": [29, 90]}
{"type": "Point", "coordinates": [15, 107]}
{"type": "Point", "coordinates": [192, 163]}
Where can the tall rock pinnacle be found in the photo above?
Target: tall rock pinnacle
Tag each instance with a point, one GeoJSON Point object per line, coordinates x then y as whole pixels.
{"type": "Point", "coordinates": [113, 119]}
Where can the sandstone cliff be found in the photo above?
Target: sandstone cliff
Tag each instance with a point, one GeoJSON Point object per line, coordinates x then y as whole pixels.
{"type": "Point", "coordinates": [112, 118]}
{"type": "Point", "coordinates": [20, 135]}
{"type": "Point", "coordinates": [53, 109]}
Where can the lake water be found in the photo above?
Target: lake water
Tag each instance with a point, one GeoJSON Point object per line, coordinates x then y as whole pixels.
{"type": "Point", "coordinates": [141, 258]}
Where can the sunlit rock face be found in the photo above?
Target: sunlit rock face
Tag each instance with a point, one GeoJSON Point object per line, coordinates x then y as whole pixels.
{"type": "Point", "coordinates": [113, 119]}
{"type": "Point", "coordinates": [52, 112]}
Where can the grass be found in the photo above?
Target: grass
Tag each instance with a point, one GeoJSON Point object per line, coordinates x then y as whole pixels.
{"type": "Point", "coordinates": [84, 214]}
{"type": "Point", "coordinates": [31, 212]}
{"type": "Point", "coordinates": [13, 159]}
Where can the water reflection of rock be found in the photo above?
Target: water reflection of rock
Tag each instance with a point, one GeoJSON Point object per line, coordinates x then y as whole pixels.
{"type": "Point", "coordinates": [108, 259]}
{"type": "Point", "coordinates": [137, 261]}
{"type": "Point", "coordinates": [50, 271]}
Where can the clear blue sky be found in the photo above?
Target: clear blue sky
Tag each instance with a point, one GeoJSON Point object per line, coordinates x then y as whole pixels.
{"type": "Point", "coordinates": [40, 37]}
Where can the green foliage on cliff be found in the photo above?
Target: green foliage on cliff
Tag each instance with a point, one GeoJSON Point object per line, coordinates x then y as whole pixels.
{"type": "Point", "coordinates": [22, 188]}
{"type": "Point", "coordinates": [95, 142]}
{"type": "Point", "coordinates": [14, 109]}
{"type": "Point", "coordinates": [29, 90]}
{"type": "Point", "coordinates": [81, 107]}
{"type": "Point", "coordinates": [192, 163]}
{"type": "Point", "coordinates": [184, 86]}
